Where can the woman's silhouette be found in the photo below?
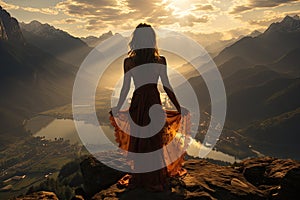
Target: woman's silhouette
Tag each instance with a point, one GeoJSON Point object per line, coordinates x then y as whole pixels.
{"type": "Point", "coordinates": [145, 66]}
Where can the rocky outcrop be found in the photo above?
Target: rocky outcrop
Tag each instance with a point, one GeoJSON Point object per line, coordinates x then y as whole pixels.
{"type": "Point", "coordinates": [256, 178]}
{"type": "Point", "coordinates": [252, 179]}
{"type": "Point", "coordinates": [288, 24]}
{"type": "Point", "coordinates": [98, 176]}
{"type": "Point", "coordinates": [280, 179]}
{"type": "Point", "coordinates": [39, 195]}
{"type": "Point", "coordinates": [9, 28]}
{"type": "Point", "coordinates": [3, 35]}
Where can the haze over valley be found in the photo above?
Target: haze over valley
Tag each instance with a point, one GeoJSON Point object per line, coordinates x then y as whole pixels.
{"type": "Point", "coordinates": [38, 66]}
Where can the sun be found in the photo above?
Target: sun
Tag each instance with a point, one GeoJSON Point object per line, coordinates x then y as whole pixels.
{"type": "Point", "coordinates": [180, 7]}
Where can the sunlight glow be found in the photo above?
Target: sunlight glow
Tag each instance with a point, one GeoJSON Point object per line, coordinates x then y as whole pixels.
{"type": "Point", "coordinates": [181, 7]}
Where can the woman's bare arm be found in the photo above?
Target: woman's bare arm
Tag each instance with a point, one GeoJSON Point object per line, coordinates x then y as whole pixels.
{"type": "Point", "coordinates": [126, 85]}
{"type": "Point", "coordinates": [167, 86]}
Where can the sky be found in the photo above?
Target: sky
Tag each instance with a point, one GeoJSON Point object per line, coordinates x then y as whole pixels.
{"type": "Point", "coordinates": [220, 19]}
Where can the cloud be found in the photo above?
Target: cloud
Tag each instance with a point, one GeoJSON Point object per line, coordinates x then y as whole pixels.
{"type": "Point", "coordinates": [271, 17]}
{"type": "Point", "coordinates": [272, 3]}
{"type": "Point", "coordinates": [144, 7]}
{"type": "Point", "coordinates": [109, 8]}
{"type": "Point", "coordinates": [205, 38]}
{"type": "Point", "coordinates": [8, 6]}
{"type": "Point", "coordinates": [237, 32]}
{"type": "Point", "coordinates": [190, 20]}
{"type": "Point", "coordinates": [264, 22]}
{"type": "Point", "coordinates": [47, 11]}
{"type": "Point", "coordinates": [122, 13]}
{"type": "Point", "coordinates": [252, 4]}
{"type": "Point", "coordinates": [69, 21]}
{"type": "Point", "coordinates": [204, 7]}
{"type": "Point", "coordinates": [239, 9]}
{"type": "Point", "coordinates": [213, 38]}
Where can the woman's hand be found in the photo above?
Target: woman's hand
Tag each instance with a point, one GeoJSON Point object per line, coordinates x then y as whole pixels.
{"type": "Point", "coordinates": [115, 111]}
{"type": "Point", "coordinates": [183, 111]}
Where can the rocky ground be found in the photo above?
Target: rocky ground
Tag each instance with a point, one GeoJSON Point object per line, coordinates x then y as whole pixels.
{"type": "Point", "coordinates": [39, 195]}
{"type": "Point", "coordinates": [255, 178]}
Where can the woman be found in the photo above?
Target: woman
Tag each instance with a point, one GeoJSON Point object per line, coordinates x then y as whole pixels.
{"type": "Point", "coordinates": [144, 65]}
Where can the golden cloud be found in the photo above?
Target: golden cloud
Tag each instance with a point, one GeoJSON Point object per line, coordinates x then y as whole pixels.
{"type": "Point", "coordinates": [253, 4]}
{"type": "Point", "coordinates": [116, 13]}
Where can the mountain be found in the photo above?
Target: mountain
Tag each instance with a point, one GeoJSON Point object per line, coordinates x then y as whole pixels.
{"type": "Point", "coordinates": [274, 68]}
{"type": "Point", "coordinates": [93, 41]}
{"type": "Point", "coordinates": [289, 63]}
{"type": "Point", "coordinates": [59, 43]}
{"type": "Point", "coordinates": [261, 78]}
{"type": "Point", "coordinates": [263, 101]}
{"type": "Point", "coordinates": [255, 33]}
{"type": "Point", "coordinates": [31, 80]}
{"type": "Point", "coordinates": [259, 133]}
{"type": "Point", "coordinates": [9, 28]}
{"type": "Point", "coordinates": [276, 41]}
{"type": "Point", "coordinates": [233, 65]}
{"type": "Point", "coordinates": [216, 47]}
{"type": "Point", "coordinates": [248, 77]}
{"type": "Point", "coordinates": [288, 24]}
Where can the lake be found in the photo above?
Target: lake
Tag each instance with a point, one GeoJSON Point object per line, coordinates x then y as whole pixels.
{"type": "Point", "coordinates": [52, 128]}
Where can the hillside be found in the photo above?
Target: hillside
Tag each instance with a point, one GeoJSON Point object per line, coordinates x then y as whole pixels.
{"type": "Point", "coordinates": [59, 43]}
{"type": "Point", "coordinates": [288, 64]}
{"type": "Point", "coordinates": [261, 78]}
{"type": "Point", "coordinates": [267, 135]}
{"type": "Point", "coordinates": [276, 41]}
{"type": "Point", "coordinates": [31, 79]}
{"type": "Point", "coordinates": [260, 102]}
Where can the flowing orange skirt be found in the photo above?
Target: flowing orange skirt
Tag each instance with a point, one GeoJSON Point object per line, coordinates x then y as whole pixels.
{"type": "Point", "coordinates": [175, 128]}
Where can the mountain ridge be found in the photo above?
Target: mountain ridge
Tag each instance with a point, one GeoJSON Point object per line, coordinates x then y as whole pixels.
{"type": "Point", "coordinates": [93, 41]}
{"type": "Point", "coordinates": [9, 28]}
{"type": "Point", "coordinates": [266, 47]}
{"type": "Point", "coordinates": [288, 24]}
{"type": "Point", "coordinates": [267, 86]}
{"type": "Point", "coordinates": [31, 79]}
{"type": "Point", "coordinates": [57, 42]}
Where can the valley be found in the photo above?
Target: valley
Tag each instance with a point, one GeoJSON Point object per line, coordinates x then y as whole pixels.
{"type": "Point", "coordinates": [38, 65]}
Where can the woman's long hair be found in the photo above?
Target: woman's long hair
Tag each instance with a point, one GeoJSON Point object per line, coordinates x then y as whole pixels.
{"type": "Point", "coordinates": [143, 46]}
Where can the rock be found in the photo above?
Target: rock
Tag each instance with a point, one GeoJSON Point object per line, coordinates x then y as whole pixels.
{"type": "Point", "coordinates": [9, 28]}
{"type": "Point", "coordinates": [114, 193]}
{"type": "Point", "coordinates": [39, 195]}
{"type": "Point", "coordinates": [253, 179]}
{"type": "Point", "coordinates": [203, 181]}
{"type": "Point", "coordinates": [97, 176]}
{"type": "Point", "coordinates": [220, 182]}
{"type": "Point", "coordinates": [6, 188]}
{"type": "Point", "coordinates": [238, 183]}
{"type": "Point", "coordinates": [290, 185]}
{"type": "Point", "coordinates": [254, 174]}
{"type": "Point", "coordinates": [78, 197]}
{"type": "Point", "coordinates": [267, 170]}
{"type": "Point", "coordinates": [80, 192]}
{"type": "Point", "coordinates": [3, 34]}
